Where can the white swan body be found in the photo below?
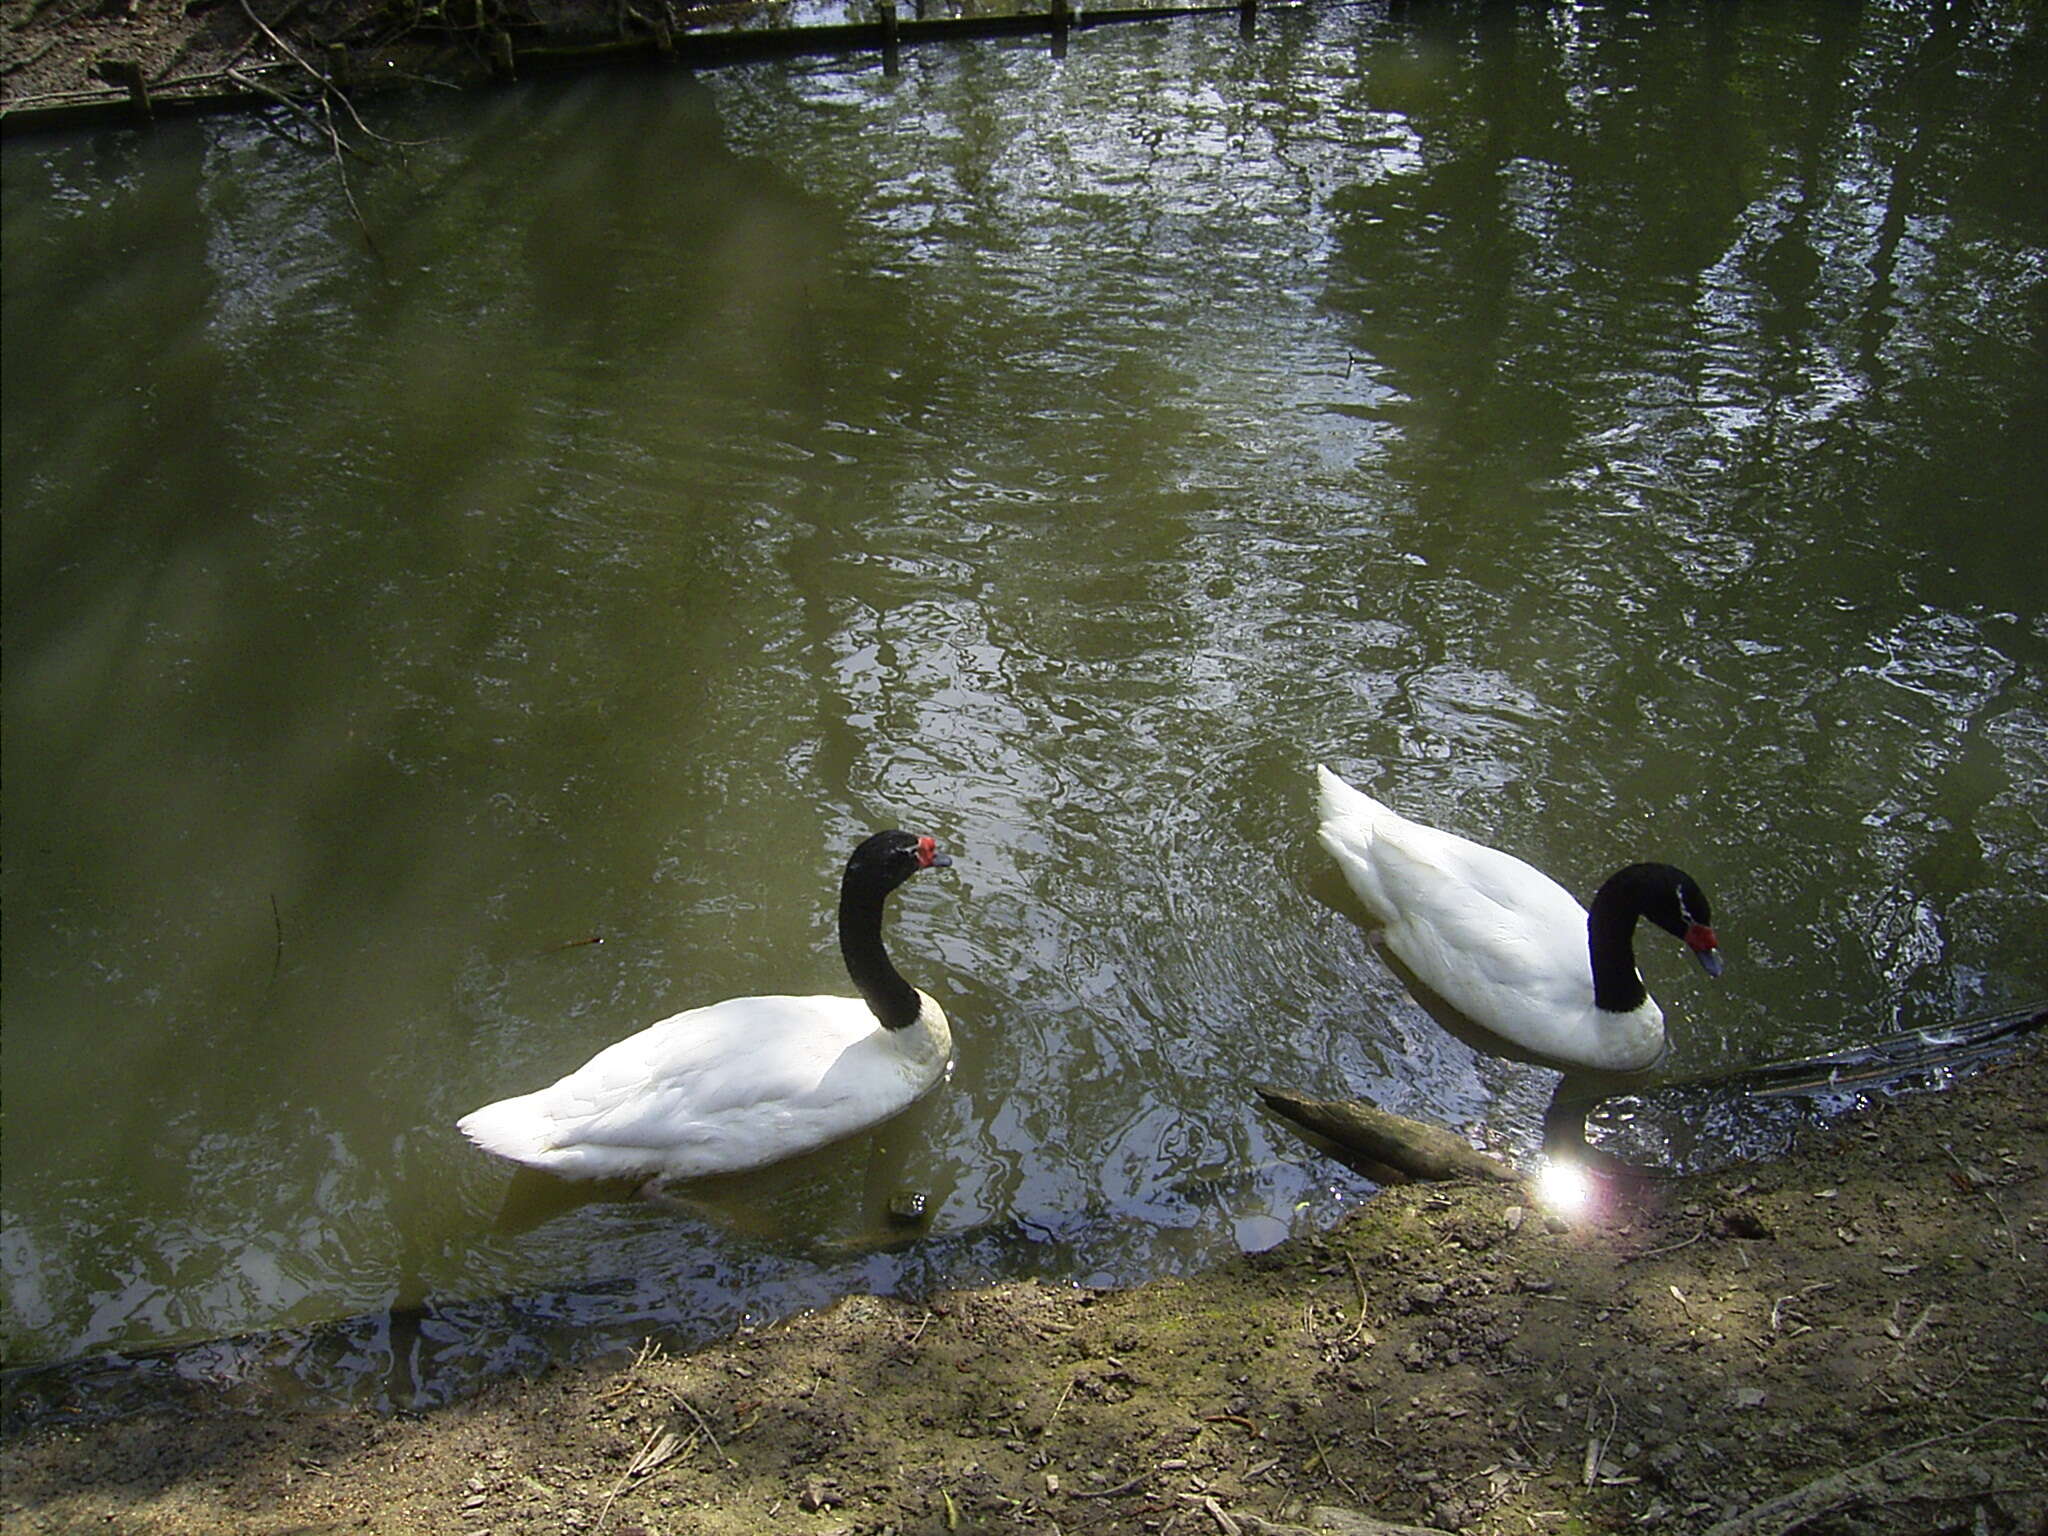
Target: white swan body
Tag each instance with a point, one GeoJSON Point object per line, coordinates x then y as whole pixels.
{"type": "Point", "coordinates": [749, 1081]}
{"type": "Point", "coordinates": [1505, 945]}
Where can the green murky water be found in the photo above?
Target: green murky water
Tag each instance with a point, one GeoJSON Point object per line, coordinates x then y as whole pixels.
{"type": "Point", "coordinates": [1609, 435]}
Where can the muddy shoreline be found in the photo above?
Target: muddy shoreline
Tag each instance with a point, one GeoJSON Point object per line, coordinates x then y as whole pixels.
{"type": "Point", "coordinates": [1850, 1338]}
{"type": "Point", "coordinates": [68, 64]}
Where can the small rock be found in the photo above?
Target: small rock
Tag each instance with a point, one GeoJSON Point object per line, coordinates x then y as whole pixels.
{"type": "Point", "coordinates": [909, 1206]}
{"type": "Point", "coordinates": [817, 1496]}
{"type": "Point", "coordinates": [1662, 1464]}
{"type": "Point", "coordinates": [1425, 1298]}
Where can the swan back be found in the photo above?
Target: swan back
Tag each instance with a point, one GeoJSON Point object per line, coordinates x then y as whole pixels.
{"type": "Point", "coordinates": [721, 1089]}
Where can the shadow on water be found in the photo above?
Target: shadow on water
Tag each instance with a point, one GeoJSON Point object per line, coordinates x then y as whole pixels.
{"type": "Point", "coordinates": [420, 1356]}
{"type": "Point", "coordinates": [411, 1359]}
{"type": "Point", "coordinates": [414, 1357]}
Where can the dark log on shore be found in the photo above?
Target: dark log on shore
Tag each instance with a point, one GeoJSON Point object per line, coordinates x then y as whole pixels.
{"type": "Point", "coordinates": [1425, 1152]}
{"type": "Point", "coordinates": [1429, 1153]}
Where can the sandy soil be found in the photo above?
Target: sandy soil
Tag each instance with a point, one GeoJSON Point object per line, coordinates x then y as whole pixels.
{"type": "Point", "coordinates": [1859, 1328]}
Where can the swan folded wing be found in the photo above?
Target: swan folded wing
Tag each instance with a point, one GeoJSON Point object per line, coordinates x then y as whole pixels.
{"type": "Point", "coordinates": [1338, 801]}
{"type": "Point", "coordinates": [688, 1079]}
{"type": "Point", "coordinates": [1442, 867]}
{"type": "Point", "coordinates": [1400, 867]}
{"type": "Point", "coordinates": [1479, 926]}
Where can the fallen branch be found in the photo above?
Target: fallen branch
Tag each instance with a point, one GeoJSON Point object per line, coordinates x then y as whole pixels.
{"type": "Point", "coordinates": [688, 1407]}
{"type": "Point", "coordinates": [1866, 1484]}
{"type": "Point", "coordinates": [34, 58]}
{"type": "Point", "coordinates": [1425, 1152]}
{"type": "Point", "coordinates": [1323, 1456]}
{"type": "Point", "coordinates": [659, 1448]}
{"type": "Point", "coordinates": [1324, 1520]}
{"type": "Point", "coordinates": [1358, 1280]}
{"type": "Point", "coordinates": [285, 99]}
{"type": "Point", "coordinates": [341, 146]}
{"type": "Point", "coordinates": [1111, 1493]}
{"type": "Point", "coordinates": [235, 59]}
{"type": "Point", "coordinates": [329, 87]}
{"type": "Point", "coordinates": [281, 45]}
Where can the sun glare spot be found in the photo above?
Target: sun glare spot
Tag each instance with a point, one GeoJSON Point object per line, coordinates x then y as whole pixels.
{"type": "Point", "coordinates": [1562, 1188]}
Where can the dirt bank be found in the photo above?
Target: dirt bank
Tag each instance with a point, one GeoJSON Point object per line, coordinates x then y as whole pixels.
{"type": "Point", "coordinates": [69, 62]}
{"type": "Point", "coordinates": [72, 60]}
{"type": "Point", "coordinates": [66, 63]}
{"type": "Point", "coordinates": [1865, 1320]}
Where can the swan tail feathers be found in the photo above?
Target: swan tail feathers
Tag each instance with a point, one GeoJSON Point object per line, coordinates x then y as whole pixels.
{"type": "Point", "coordinates": [1351, 830]}
{"type": "Point", "coordinates": [1338, 801]}
{"type": "Point", "coordinates": [512, 1129]}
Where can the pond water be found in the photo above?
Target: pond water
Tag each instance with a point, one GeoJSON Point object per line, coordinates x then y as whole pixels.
{"type": "Point", "coordinates": [1609, 436]}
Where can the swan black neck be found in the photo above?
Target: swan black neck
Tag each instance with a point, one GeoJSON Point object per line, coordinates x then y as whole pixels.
{"type": "Point", "coordinates": [861, 897]}
{"type": "Point", "coordinates": [1610, 935]}
{"type": "Point", "coordinates": [1668, 897]}
{"type": "Point", "coordinates": [1638, 890]}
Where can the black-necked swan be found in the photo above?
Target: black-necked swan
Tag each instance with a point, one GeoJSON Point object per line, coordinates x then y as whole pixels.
{"type": "Point", "coordinates": [752, 1080]}
{"type": "Point", "coordinates": [1507, 946]}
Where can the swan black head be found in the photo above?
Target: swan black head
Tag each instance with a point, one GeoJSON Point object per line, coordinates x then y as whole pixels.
{"type": "Point", "coordinates": [1673, 900]}
{"type": "Point", "coordinates": [887, 859]}
{"type": "Point", "coordinates": [1668, 897]}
